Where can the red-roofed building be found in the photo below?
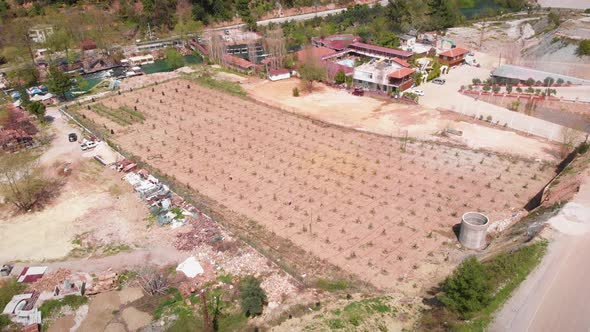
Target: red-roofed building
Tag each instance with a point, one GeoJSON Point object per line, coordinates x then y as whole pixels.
{"type": "Point", "coordinates": [332, 68]}
{"type": "Point", "coordinates": [379, 51]}
{"type": "Point", "coordinates": [279, 74]}
{"type": "Point", "coordinates": [336, 42]}
{"type": "Point", "coordinates": [402, 78]}
{"type": "Point", "coordinates": [238, 64]}
{"type": "Point", "coordinates": [313, 53]}
{"type": "Point", "coordinates": [453, 57]}
{"type": "Point", "coordinates": [402, 62]}
{"type": "Point", "coordinates": [384, 76]}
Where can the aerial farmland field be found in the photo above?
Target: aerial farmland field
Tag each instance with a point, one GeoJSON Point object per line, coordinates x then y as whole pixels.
{"type": "Point", "coordinates": [377, 207]}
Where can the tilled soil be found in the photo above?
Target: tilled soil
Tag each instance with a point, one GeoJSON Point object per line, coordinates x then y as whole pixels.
{"type": "Point", "coordinates": [377, 207]}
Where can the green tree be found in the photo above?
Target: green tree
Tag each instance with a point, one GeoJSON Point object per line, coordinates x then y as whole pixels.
{"type": "Point", "coordinates": [386, 39]}
{"type": "Point", "coordinates": [554, 18]}
{"type": "Point", "coordinates": [468, 289]}
{"type": "Point", "coordinates": [187, 27]}
{"type": "Point", "coordinates": [435, 72]}
{"type": "Point", "coordinates": [37, 109]}
{"type": "Point", "coordinates": [252, 296]}
{"type": "Point", "coordinates": [174, 59]}
{"type": "Point", "coordinates": [584, 47]}
{"type": "Point", "coordinates": [21, 180]}
{"type": "Point", "coordinates": [60, 40]}
{"type": "Point", "coordinates": [311, 71]}
{"type": "Point", "coordinates": [405, 15]}
{"type": "Point", "coordinates": [340, 77]}
{"type": "Point", "coordinates": [160, 13]}
{"type": "Point", "coordinates": [417, 76]}
{"type": "Point", "coordinates": [530, 82]}
{"type": "Point", "coordinates": [59, 82]}
{"type": "Point", "coordinates": [243, 8]}
{"type": "Point", "coordinates": [443, 14]}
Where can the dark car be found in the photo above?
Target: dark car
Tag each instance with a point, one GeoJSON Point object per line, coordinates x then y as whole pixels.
{"type": "Point", "coordinates": [73, 137]}
{"type": "Point", "coordinates": [439, 81]}
{"type": "Point", "coordinates": [358, 92]}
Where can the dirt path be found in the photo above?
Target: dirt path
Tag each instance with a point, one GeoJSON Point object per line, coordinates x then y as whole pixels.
{"type": "Point", "coordinates": [555, 296]}
{"type": "Point", "coordinates": [159, 256]}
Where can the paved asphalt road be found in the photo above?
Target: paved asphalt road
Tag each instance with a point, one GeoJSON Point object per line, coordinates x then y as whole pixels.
{"type": "Point", "coordinates": [301, 17]}
{"type": "Point", "coordinates": [555, 297]}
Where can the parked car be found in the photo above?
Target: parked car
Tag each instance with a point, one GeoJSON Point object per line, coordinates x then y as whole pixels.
{"type": "Point", "coordinates": [72, 137]}
{"type": "Point", "coordinates": [417, 92]}
{"type": "Point", "coordinates": [358, 92]}
{"type": "Point", "coordinates": [439, 81]}
{"type": "Point", "coordinates": [88, 145]}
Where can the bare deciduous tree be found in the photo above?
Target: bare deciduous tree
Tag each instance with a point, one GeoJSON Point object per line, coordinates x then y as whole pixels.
{"type": "Point", "coordinates": [21, 181]}
{"type": "Point", "coordinates": [152, 281]}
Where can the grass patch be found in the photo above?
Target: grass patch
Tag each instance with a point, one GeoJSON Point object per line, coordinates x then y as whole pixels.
{"type": "Point", "coordinates": [331, 285]}
{"type": "Point", "coordinates": [113, 249]}
{"type": "Point", "coordinates": [505, 272]}
{"type": "Point", "coordinates": [224, 86]}
{"type": "Point", "coordinates": [52, 307]}
{"type": "Point", "coordinates": [225, 278]}
{"type": "Point", "coordinates": [4, 115]}
{"type": "Point", "coordinates": [9, 289]}
{"type": "Point", "coordinates": [174, 304]}
{"type": "Point", "coordinates": [122, 116]}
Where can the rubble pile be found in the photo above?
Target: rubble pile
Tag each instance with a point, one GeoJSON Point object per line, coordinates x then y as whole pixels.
{"type": "Point", "coordinates": [277, 286]}
{"type": "Point", "coordinates": [200, 232]}
{"type": "Point", "coordinates": [248, 262]}
{"type": "Point", "coordinates": [50, 280]}
{"type": "Point", "coordinates": [105, 282]}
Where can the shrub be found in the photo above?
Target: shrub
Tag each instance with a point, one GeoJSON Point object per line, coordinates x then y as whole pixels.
{"type": "Point", "coordinates": [51, 307]}
{"type": "Point", "coordinates": [8, 290]}
{"type": "Point", "coordinates": [583, 148]}
{"type": "Point", "coordinates": [584, 47]}
{"type": "Point", "coordinates": [476, 81]}
{"type": "Point", "coordinates": [468, 289]}
{"type": "Point", "coordinates": [295, 92]}
{"type": "Point", "coordinates": [487, 88]}
{"type": "Point", "coordinates": [340, 77]}
{"type": "Point", "coordinates": [496, 89]}
{"type": "Point", "coordinates": [252, 296]}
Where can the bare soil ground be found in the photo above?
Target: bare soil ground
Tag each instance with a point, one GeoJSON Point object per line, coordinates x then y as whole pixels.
{"type": "Point", "coordinates": [392, 119]}
{"type": "Point", "coordinates": [351, 198]}
{"type": "Point", "coordinates": [94, 201]}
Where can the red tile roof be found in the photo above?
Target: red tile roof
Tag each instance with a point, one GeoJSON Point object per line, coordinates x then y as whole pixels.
{"type": "Point", "coordinates": [333, 68]}
{"type": "Point", "coordinates": [238, 62]}
{"type": "Point", "coordinates": [390, 51]}
{"type": "Point", "coordinates": [401, 73]}
{"type": "Point", "coordinates": [454, 52]}
{"type": "Point", "coordinates": [402, 62]}
{"type": "Point", "coordinates": [314, 53]}
{"type": "Point", "coordinates": [279, 71]}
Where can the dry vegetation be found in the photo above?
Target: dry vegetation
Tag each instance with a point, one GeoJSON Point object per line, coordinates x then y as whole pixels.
{"type": "Point", "coordinates": [377, 207]}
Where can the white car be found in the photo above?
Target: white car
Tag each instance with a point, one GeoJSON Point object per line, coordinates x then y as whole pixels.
{"type": "Point", "coordinates": [417, 92]}
{"type": "Point", "coordinates": [88, 145]}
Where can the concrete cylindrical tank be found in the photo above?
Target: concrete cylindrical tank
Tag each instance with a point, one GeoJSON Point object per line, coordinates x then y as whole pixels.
{"type": "Point", "coordinates": [474, 226]}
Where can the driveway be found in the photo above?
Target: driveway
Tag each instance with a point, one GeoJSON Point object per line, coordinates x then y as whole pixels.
{"type": "Point", "coordinates": [555, 296]}
{"type": "Point", "coordinates": [447, 97]}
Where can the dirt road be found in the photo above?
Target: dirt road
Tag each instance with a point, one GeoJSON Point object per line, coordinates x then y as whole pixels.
{"type": "Point", "coordinates": [555, 296]}
{"type": "Point", "coordinates": [574, 4]}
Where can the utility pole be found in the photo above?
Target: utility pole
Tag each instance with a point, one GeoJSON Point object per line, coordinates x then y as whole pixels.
{"type": "Point", "coordinates": [316, 8]}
